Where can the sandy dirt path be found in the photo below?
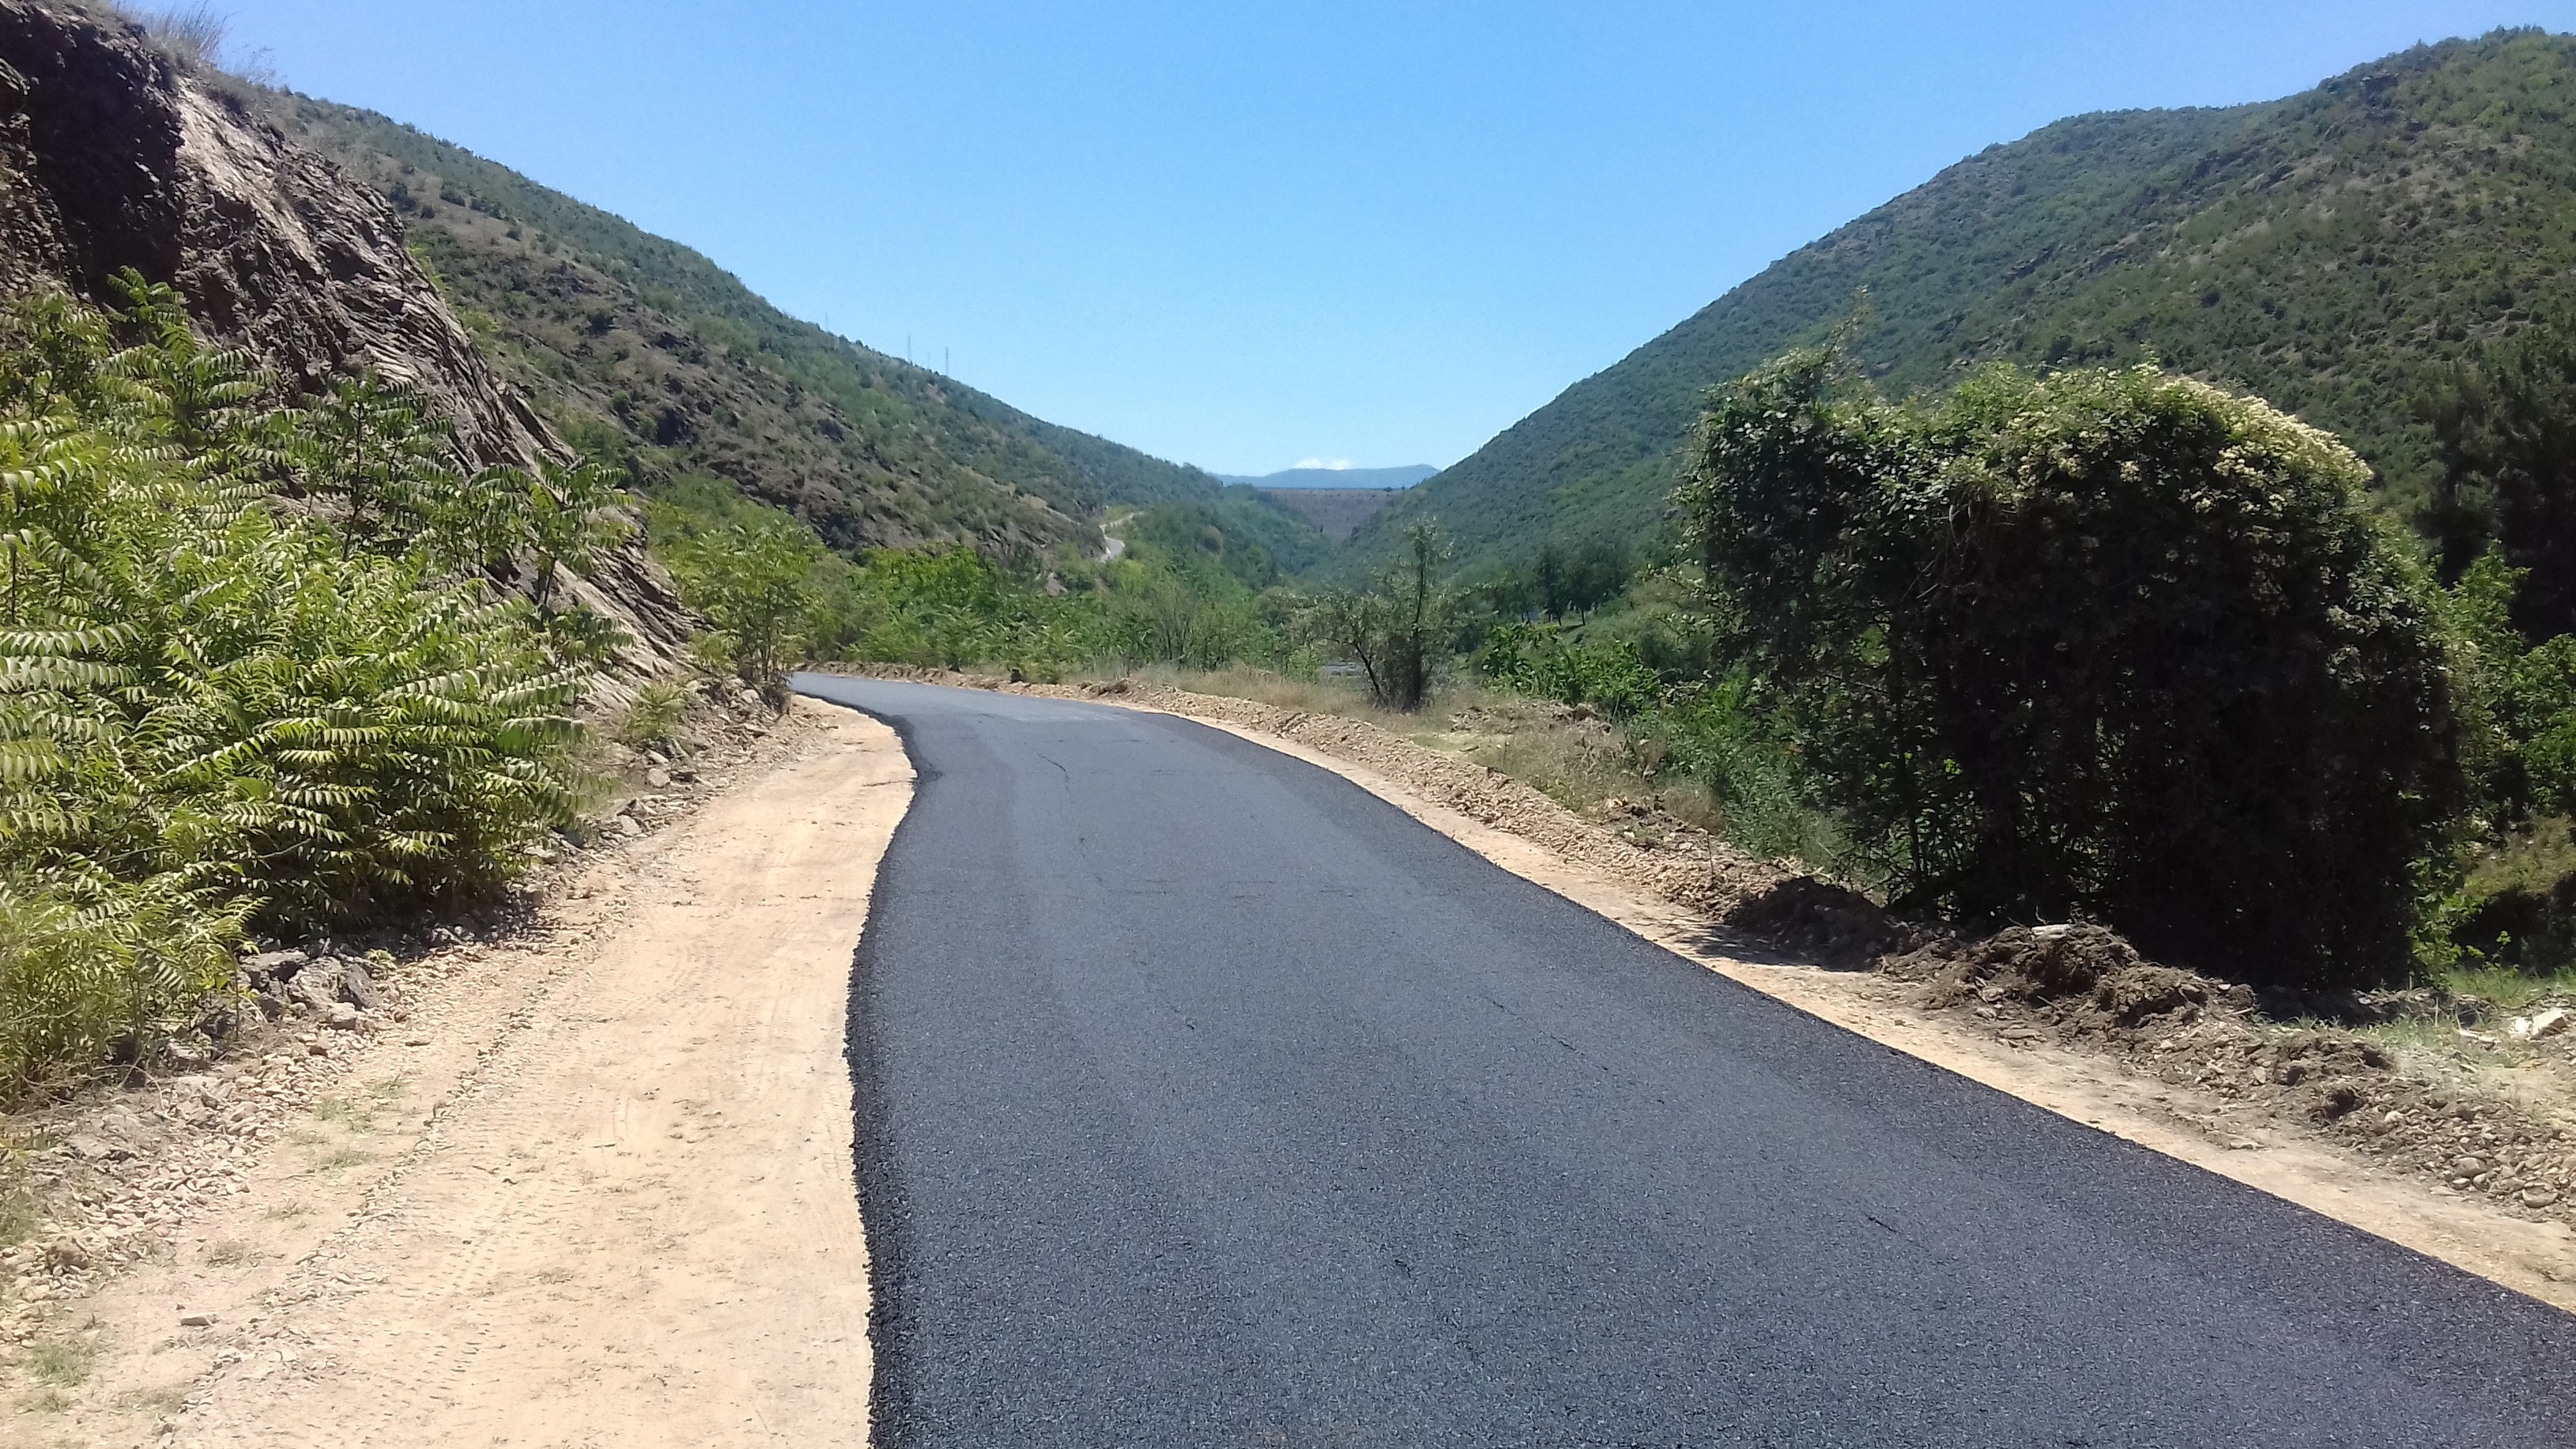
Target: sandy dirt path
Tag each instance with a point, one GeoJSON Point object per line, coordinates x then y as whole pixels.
{"type": "Point", "coordinates": [608, 1200]}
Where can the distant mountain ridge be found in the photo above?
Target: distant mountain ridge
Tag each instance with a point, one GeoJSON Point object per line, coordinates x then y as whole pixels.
{"type": "Point", "coordinates": [2323, 251]}
{"type": "Point", "coordinates": [644, 351]}
{"type": "Point", "coordinates": [1404, 477]}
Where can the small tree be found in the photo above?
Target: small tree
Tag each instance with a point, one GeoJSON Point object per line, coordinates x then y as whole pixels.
{"type": "Point", "coordinates": [2110, 643]}
{"type": "Point", "coordinates": [368, 444]}
{"type": "Point", "coordinates": [1394, 631]}
{"type": "Point", "coordinates": [571, 516]}
{"type": "Point", "coordinates": [754, 577]}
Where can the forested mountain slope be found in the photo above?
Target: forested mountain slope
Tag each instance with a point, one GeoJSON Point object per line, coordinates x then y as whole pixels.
{"type": "Point", "coordinates": [2319, 251]}
{"type": "Point", "coordinates": [640, 348]}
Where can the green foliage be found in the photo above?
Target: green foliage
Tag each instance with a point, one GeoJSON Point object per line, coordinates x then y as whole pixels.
{"type": "Point", "coordinates": [83, 971]}
{"type": "Point", "coordinates": [755, 568]}
{"type": "Point", "coordinates": [754, 577]}
{"type": "Point", "coordinates": [1208, 533]}
{"type": "Point", "coordinates": [653, 720]}
{"type": "Point", "coordinates": [217, 711]}
{"type": "Point", "coordinates": [1395, 632]}
{"type": "Point", "coordinates": [2321, 251]}
{"type": "Point", "coordinates": [2516, 904]}
{"type": "Point", "coordinates": [2505, 418]}
{"type": "Point", "coordinates": [1720, 734]}
{"type": "Point", "coordinates": [2109, 642]}
{"type": "Point", "coordinates": [1563, 580]}
{"type": "Point", "coordinates": [1537, 659]}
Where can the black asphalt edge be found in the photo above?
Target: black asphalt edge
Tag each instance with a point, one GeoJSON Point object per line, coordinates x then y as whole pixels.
{"type": "Point", "coordinates": [882, 1202]}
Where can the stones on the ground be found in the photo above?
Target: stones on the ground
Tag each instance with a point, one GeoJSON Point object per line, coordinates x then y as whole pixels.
{"type": "Point", "coordinates": [91, 1148]}
{"type": "Point", "coordinates": [2552, 1022]}
{"type": "Point", "coordinates": [343, 1017]}
{"type": "Point", "coordinates": [196, 1320]}
{"type": "Point", "coordinates": [656, 757]}
{"type": "Point", "coordinates": [359, 989]}
{"type": "Point", "coordinates": [274, 963]}
{"type": "Point", "coordinates": [2467, 1166]}
{"type": "Point", "coordinates": [658, 778]}
{"type": "Point", "coordinates": [684, 774]}
{"type": "Point", "coordinates": [627, 826]}
{"type": "Point", "coordinates": [317, 1049]}
{"type": "Point", "coordinates": [750, 699]}
{"type": "Point", "coordinates": [2539, 1197]}
{"type": "Point", "coordinates": [315, 985]}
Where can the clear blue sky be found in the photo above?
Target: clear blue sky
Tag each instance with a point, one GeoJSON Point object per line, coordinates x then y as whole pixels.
{"type": "Point", "coordinates": [1247, 234]}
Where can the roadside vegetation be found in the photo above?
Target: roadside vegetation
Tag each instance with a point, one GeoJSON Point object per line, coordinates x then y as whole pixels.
{"type": "Point", "coordinates": [2101, 644]}
{"type": "Point", "coordinates": [259, 671]}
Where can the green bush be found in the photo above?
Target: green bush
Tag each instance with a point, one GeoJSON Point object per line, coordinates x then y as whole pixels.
{"type": "Point", "coordinates": [2108, 643]}
{"type": "Point", "coordinates": [1536, 659]}
{"type": "Point", "coordinates": [217, 713]}
{"type": "Point", "coordinates": [1718, 734]}
{"type": "Point", "coordinates": [777, 595]}
{"type": "Point", "coordinates": [83, 972]}
{"type": "Point", "coordinates": [754, 578]}
{"type": "Point", "coordinates": [1396, 631]}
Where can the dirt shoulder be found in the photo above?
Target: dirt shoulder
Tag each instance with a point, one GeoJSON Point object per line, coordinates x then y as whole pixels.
{"type": "Point", "coordinates": [2276, 1106]}
{"type": "Point", "coordinates": [594, 1187]}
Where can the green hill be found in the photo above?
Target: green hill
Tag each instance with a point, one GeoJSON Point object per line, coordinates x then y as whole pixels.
{"type": "Point", "coordinates": [2320, 251]}
{"type": "Point", "coordinates": [639, 348]}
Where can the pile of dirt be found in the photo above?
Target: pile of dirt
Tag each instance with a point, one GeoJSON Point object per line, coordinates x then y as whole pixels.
{"type": "Point", "coordinates": [2083, 986]}
{"type": "Point", "coordinates": [1835, 924]}
{"type": "Point", "coordinates": [2079, 979]}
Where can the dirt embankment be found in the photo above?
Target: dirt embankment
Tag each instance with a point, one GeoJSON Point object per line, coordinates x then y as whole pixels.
{"type": "Point", "coordinates": [2460, 1143]}
{"type": "Point", "coordinates": [583, 1181]}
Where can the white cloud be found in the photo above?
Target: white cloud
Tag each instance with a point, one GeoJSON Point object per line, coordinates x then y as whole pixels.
{"type": "Point", "coordinates": [1332, 464]}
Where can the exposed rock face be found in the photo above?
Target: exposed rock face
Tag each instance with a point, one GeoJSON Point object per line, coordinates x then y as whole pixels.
{"type": "Point", "coordinates": [112, 156]}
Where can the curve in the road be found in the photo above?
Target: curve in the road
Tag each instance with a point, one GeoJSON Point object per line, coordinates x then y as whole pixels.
{"type": "Point", "coordinates": [1206, 1099]}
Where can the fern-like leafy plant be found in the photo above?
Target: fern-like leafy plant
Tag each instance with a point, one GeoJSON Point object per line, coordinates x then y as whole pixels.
{"type": "Point", "coordinates": [254, 672]}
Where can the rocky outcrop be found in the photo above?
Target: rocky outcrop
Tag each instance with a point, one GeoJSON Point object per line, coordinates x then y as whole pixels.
{"type": "Point", "coordinates": [115, 155]}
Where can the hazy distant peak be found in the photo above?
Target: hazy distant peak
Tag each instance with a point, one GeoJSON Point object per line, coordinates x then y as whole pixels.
{"type": "Point", "coordinates": [1404, 477]}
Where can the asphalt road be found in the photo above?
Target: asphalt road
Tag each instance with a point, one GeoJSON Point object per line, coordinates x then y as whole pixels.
{"type": "Point", "coordinates": [1206, 1100]}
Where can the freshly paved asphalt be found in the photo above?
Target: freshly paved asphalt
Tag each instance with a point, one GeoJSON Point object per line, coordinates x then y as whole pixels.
{"type": "Point", "coordinates": [1206, 1100]}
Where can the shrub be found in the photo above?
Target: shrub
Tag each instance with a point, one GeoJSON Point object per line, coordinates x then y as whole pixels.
{"type": "Point", "coordinates": [654, 718]}
{"type": "Point", "coordinates": [2108, 642]}
{"type": "Point", "coordinates": [1394, 631]}
{"type": "Point", "coordinates": [215, 712]}
{"type": "Point", "coordinates": [1536, 659]}
{"type": "Point", "coordinates": [98, 965]}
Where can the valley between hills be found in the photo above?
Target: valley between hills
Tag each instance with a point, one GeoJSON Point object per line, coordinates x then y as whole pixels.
{"type": "Point", "coordinates": [2045, 717]}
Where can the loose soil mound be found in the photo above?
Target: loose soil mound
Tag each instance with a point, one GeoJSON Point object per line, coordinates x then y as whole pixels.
{"type": "Point", "coordinates": [2084, 985]}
